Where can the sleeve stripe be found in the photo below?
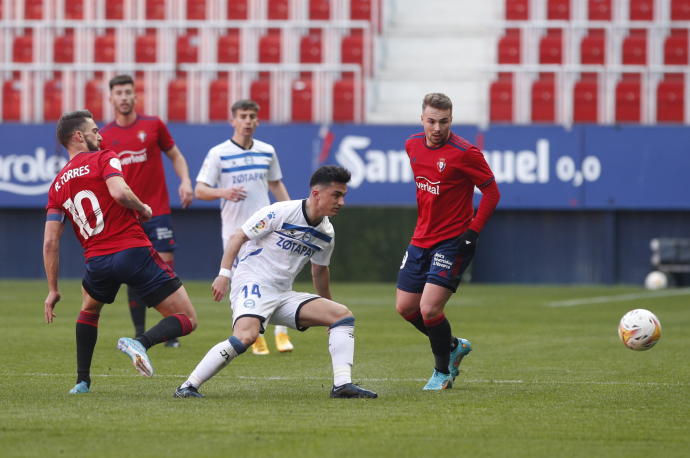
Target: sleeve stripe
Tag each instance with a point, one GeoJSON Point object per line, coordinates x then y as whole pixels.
{"type": "Point", "coordinates": [487, 183]}
{"type": "Point", "coordinates": [54, 214]}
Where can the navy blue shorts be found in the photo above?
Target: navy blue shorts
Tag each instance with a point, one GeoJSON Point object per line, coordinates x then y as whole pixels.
{"type": "Point", "coordinates": [443, 265]}
{"type": "Point", "coordinates": [141, 268]}
{"type": "Point", "coordinates": [159, 230]}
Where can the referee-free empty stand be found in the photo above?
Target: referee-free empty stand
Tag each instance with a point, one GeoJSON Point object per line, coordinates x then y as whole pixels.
{"type": "Point", "coordinates": [670, 103]}
{"type": "Point", "coordinates": [544, 98]}
{"type": "Point", "coordinates": [558, 10]}
{"type": "Point", "coordinates": [63, 47]}
{"type": "Point", "coordinates": [187, 47]}
{"type": "Point", "coordinates": [352, 48]}
{"type": "Point", "coordinates": [177, 100]}
{"type": "Point", "coordinates": [676, 47]}
{"type": "Point", "coordinates": [228, 51]}
{"type": "Point", "coordinates": [52, 99]}
{"type": "Point", "coordinates": [302, 100]}
{"type": "Point", "coordinates": [680, 10]}
{"type": "Point", "coordinates": [115, 9]}
{"type": "Point", "coordinates": [278, 10]}
{"type": "Point", "coordinates": [361, 10]}
{"type": "Point", "coordinates": [74, 9]}
{"type": "Point", "coordinates": [196, 9]}
{"type": "Point", "coordinates": [238, 10]}
{"type": "Point", "coordinates": [517, 10]}
{"type": "Point", "coordinates": [145, 47]}
{"type": "Point", "coordinates": [260, 92]}
{"type": "Point", "coordinates": [269, 47]}
{"type": "Point", "coordinates": [104, 47]}
{"type": "Point", "coordinates": [551, 47]}
{"type": "Point", "coordinates": [155, 9]}
{"type": "Point", "coordinates": [218, 96]}
{"type": "Point", "coordinates": [310, 47]}
{"type": "Point", "coordinates": [641, 10]}
{"type": "Point", "coordinates": [23, 47]}
{"type": "Point", "coordinates": [635, 47]}
{"type": "Point", "coordinates": [344, 100]}
{"type": "Point", "coordinates": [509, 47]}
{"type": "Point", "coordinates": [11, 100]}
{"type": "Point", "coordinates": [593, 48]}
{"type": "Point", "coordinates": [586, 99]}
{"type": "Point", "coordinates": [319, 10]}
{"type": "Point", "coordinates": [93, 97]}
{"type": "Point", "coordinates": [628, 98]}
{"type": "Point", "coordinates": [501, 98]}
{"type": "Point", "coordinates": [33, 9]}
{"type": "Point", "coordinates": [599, 10]}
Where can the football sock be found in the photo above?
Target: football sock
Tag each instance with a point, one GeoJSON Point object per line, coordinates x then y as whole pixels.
{"type": "Point", "coordinates": [417, 321]}
{"type": "Point", "coordinates": [278, 329]}
{"type": "Point", "coordinates": [87, 334]}
{"type": "Point", "coordinates": [216, 359]}
{"type": "Point", "coordinates": [168, 328]}
{"type": "Point", "coordinates": [137, 309]}
{"type": "Point", "coordinates": [341, 345]}
{"type": "Point", "coordinates": [439, 336]}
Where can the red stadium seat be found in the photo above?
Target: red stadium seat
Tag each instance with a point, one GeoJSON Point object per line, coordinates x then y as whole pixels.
{"type": "Point", "coordinates": [63, 47]}
{"type": "Point", "coordinates": [310, 47]}
{"type": "Point", "coordinates": [544, 98]}
{"type": "Point", "coordinates": [641, 10]}
{"type": "Point", "coordinates": [145, 47]}
{"type": "Point", "coordinates": [74, 9]}
{"type": "Point", "coordinates": [676, 48]}
{"type": "Point", "coordinates": [551, 47]}
{"type": "Point", "coordinates": [593, 48]}
{"type": "Point", "coordinates": [558, 10]}
{"type": "Point", "coordinates": [302, 94]}
{"type": "Point", "coordinates": [517, 10]}
{"type": "Point", "coordinates": [177, 100]}
{"type": "Point", "coordinates": [344, 100]}
{"type": "Point", "coordinates": [278, 10]}
{"type": "Point", "coordinates": [670, 102]}
{"type": "Point", "coordinates": [52, 100]}
{"type": "Point", "coordinates": [115, 9]}
{"type": "Point", "coordinates": [501, 98]}
{"type": "Point", "coordinates": [260, 92]}
{"type": "Point", "coordinates": [269, 47]}
{"type": "Point", "coordinates": [628, 98]}
{"type": "Point", "coordinates": [187, 47]}
{"type": "Point", "coordinates": [23, 48]}
{"type": "Point", "coordinates": [94, 92]}
{"type": "Point", "coordinates": [33, 9]}
{"type": "Point", "coordinates": [586, 99]}
{"type": "Point", "coordinates": [155, 9]}
{"type": "Point", "coordinates": [599, 10]}
{"type": "Point", "coordinates": [229, 47]}
{"type": "Point", "coordinates": [238, 9]}
{"type": "Point", "coordinates": [352, 48]}
{"type": "Point", "coordinates": [509, 47]}
{"type": "Point", "coordinates": [319, 10]}
{"type": "Point", "coordinates": [635, 47]}
{"type": "Point", "coordinates": [196, 9]}
{"type": "Point", "coordinates": [104, 47]}
{"type": "Point", "coordinates": [680, 10]}
{"type": "Point", "coordinates": [218, 97]}
{"type": "Point", "coordinates": [11, 100]}
{"type": "Point", "coordinates": [360, 10]}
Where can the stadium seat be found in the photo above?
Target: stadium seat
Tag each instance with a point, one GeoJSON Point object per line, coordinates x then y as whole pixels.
{"type": "Point", "coordinates": [23, 48]}
{"type": "Point", "coordinates": [680, 10]}
{"type": "Point", "coordinates": [33, 9]}
{"type": "Point", "coordinates": [278, 10]}
{"type": "Point", "coordinates": [676, 47]}
{"type": "Point", "coordinates": [269, 46]}
{"type": "Point", "coordinates": [352, 48]}
{"type": "Point", "coordinates": [593, 48]}
{"type": "Point", "coordinates": [155, 9]}
{"type": "Point", "coordinates": [196, 9]}
{"type": "Point", "coordinates": [177, 100]}
{"type": "Point", "coordinates": [229, 47]}
{"type": "Point", "coordinates": [509, 47]}
{"type": "Point", "coordinates": [187, 47]}
{"type": "Point", "coordinates": [260, 92]}
{"type": "Point", "coordinates": [74, 9]}
{"type": "Point", "coordinates": [11, 100]}
{"type": "Point", "coordinates": [517, 10]}
{"type": "Point", "coordinates": [93, 97]}
{"type": "Point", "coordinates": [238, 9]}
{"type": "Point", "coordinates": [558, 10]}
{"type": "Point", "coordinates": [115, 9]}
{"type": "Point", "coordinates": [302, 93]}
{"type": "Point", "coordinates": [344, 100]}
{"type": "Point", "coordinates": [310, 47]}
{"type": "Point", "coordinates": [635, 47]}
{"type": "Point", "coordinates": [104, 47]}
{"type": "Point", "coordinates": [628, 98]}
{"type": "Point", "coordinates": [63, 47]}
{"type": "Point", "coordinates": [544, 98]}
{"type": "Point", "coordinates": [551, 47]}
{"type": "Point", "coordinates": [360, 10]}
{"type": "Point", "coordinates": [319, 10]}
{"type": "Point", "coordinates": [599, 10]}
{"type": "Point", "coordinates": [145, 47]}
{"type": "Point", "coordinates": [218, 97]}
{"type": "Point", "coordinates": [52, 99]}
{"type": "Point", "coordinates": [641, 10]}
{"type": "Point", "coordinates": [501, 98]}
{"type": "Point", "coordinates": [670, 103]}
{"type": "Point", "coordinates": [586, 99]}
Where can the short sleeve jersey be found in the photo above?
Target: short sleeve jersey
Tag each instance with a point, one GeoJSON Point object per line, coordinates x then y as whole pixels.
{"type": "Point", "coordinates": [140, 146]}
{"type": "Point", "coordinates": [281, 241]}
{"type": "Point", "coordinates": [445, 177]}
{"type": "Point", "coordinates": [229, 165]}
{"type": "Point", "coordinates": [101, 224]}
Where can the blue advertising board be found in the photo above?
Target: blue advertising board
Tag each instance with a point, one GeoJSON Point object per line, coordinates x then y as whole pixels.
{"type": "Point", "coordinates": [536, 167]}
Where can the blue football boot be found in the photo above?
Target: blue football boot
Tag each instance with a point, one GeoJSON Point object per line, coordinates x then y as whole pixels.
{"type": "Point", "coordinates": [461, 350]}
{"type": "Point", "coordinates": [80, 388]}
{"type": "Point", "coordinates": [137, 353]}
{"type": "Point", "coordinates": [439, 381]}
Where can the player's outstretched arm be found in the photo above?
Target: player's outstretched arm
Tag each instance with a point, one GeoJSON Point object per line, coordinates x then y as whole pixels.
{"type": "Point", "coordinates": [182, 170]}
{"type": "Point", "coordinates": [51, 262]}
{"type": "Point", "coordinates": [221, 283]}
{"type": "Point", "coordinates": [123, 195]}
{"type": "Point", "coordinates": [321, 278]}
{"type": "Point", "coordinates": [278, 190]}
{"type": "Point", "coordinates": [203, 191]}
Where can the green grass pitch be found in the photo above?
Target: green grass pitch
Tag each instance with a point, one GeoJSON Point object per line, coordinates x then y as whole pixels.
{"type": "Point", "coordinates": [547, 377]}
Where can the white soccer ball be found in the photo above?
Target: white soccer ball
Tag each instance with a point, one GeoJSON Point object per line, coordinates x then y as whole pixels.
{"type": "Point", "coordinates": [656, 280]}
{"type": "Point", "coordinates": [639, 329]}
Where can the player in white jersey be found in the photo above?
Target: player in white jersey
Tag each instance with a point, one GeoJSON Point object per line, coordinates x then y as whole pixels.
{"type": "Point", "coordinates": [276, 242]}
{"type": "Point", "coordinates": [240, 172]}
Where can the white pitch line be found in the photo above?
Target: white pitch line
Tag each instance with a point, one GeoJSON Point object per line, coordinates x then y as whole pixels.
{"type": "Point", "coordinates": [620, 297]}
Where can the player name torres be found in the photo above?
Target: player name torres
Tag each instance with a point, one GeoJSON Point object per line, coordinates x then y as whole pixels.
{"type": "Point", "coordinates": [71, 173]}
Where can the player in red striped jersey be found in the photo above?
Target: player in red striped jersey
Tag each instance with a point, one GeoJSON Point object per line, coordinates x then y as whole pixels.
{"type": "Point", "coordinates": [91, 191]}
{"type": "Point", "coordinates": [446, 170]}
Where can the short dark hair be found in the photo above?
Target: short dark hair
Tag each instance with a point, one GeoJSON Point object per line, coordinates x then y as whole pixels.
{"type": "Point", "coordinates": [438, 101]}
{"type": "Point", "coordinates": [69, 123]}
{"type": "Point", "coordinates": [327, 174]}
{"type": "Point", "coordinates": [120, 79]}
{"type": "Point", "coordinates": [244, 104]}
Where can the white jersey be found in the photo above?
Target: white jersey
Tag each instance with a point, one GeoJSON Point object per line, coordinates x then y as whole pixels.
{"type": "Point", "coordinates": [281, 241]}
{"type": "Point", "coordinates": [228, 165]}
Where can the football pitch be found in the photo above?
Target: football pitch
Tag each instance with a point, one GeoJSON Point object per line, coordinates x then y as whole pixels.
{"type": "Point", "coordinates": [547, 377]}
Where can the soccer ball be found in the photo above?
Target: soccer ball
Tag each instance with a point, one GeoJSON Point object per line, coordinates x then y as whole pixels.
{"type": "Point", "coordinates": [656, 280]}
{"type": "Point", "coordinates": [639, 329]}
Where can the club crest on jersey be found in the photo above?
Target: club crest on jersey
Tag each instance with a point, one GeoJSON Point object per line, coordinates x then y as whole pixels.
{"type": "Point", "coordinates": [441, 165]}
{"type": "Point", "coordinates": [142, 136]}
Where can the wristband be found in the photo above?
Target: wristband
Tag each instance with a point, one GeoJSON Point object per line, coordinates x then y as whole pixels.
{"type": "Point", "coordinates": [224, 273]}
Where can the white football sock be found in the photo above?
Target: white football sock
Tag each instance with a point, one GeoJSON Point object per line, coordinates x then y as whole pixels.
{"type": "Point", "coordinates": [278, 329]}
{"type": "Point", "coordinates": [216, 359]}
{"type": "Point", "coordinates": [341, 345]}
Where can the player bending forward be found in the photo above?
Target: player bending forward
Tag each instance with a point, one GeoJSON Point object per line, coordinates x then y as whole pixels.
{"type": "Point", "coordinates": [280, 238]}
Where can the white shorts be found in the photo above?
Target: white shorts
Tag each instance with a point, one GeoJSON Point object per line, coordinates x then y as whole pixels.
{"type": "Point", "coordinates": [268, 304]}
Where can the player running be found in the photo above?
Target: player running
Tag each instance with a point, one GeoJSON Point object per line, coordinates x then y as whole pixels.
{"type": "Point", "coordinates": [104, 212]}
{"type": "Point", "coordinates": [278, 241]}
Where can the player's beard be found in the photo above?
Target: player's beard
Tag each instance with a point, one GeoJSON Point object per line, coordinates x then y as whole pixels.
{"type": "Point", "coordinates": [91, 145]}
